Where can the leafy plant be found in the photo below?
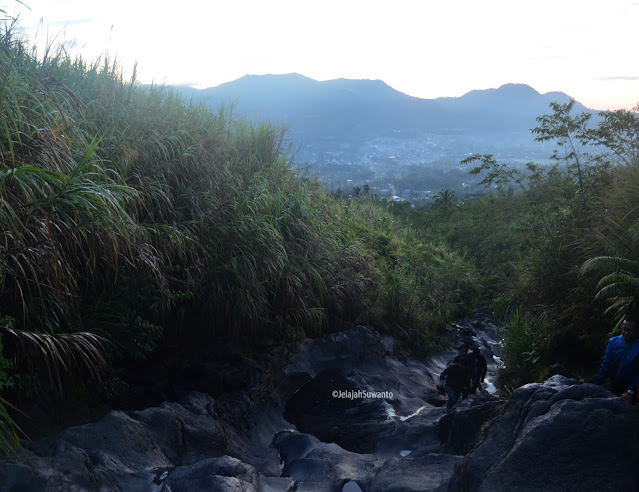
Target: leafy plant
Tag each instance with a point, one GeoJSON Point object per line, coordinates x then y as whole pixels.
{"type": "Point", "coordinates": [525, 350]}
{"type": "Point", "coordinates": [620, 283]}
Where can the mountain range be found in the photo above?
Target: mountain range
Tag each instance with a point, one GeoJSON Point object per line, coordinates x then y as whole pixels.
{"type": "Point", "coordinates": [344, 108]}
{"type": "Point", "coordinates": [356, 132]}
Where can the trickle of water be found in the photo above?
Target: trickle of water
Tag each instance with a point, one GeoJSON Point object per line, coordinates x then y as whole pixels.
{"type": "Point", "coordinates": [491, 388]}
{"type": "Point", "coordinates": [390, 412]}
{"type": "Point", "coordinates": [416, 412]}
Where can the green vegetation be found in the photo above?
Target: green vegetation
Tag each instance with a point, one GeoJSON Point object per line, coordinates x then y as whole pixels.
{"type": "Point", "coordinates": [132, 220]}
{"type": "Point", "coordinates": [554, 244]}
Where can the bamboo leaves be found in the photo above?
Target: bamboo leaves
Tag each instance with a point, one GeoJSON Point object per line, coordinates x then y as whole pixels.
{"type": "Point", "coordinates": [620, 283]}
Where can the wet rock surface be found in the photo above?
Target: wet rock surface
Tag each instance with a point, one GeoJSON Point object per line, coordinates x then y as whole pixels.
{"type": "Point", "coordinates": [304, 431]}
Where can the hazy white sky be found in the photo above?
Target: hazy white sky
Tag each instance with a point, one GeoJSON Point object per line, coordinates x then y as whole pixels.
{"type": "Point", "coordinates": [585, 48]}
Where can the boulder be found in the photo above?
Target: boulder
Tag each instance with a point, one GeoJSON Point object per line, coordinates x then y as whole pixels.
{"type": "Point", "coordinates": [556, 436]}
{"type": "Point", "coordinates": [353, 423]}
{"type": "Point", "coordinates": [135, 450]}
{"type": "Point", "coordinates": [420, 471]}
{"type": "Point", "coordinates": [221, 473]}
{"type": "Point", "coordinates": [460, 430]}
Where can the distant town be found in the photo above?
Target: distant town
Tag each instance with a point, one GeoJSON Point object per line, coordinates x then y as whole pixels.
{"type": "Point", "coordinates": [357, 133]}
{"type": "Point", "coordinates": [410, 169]}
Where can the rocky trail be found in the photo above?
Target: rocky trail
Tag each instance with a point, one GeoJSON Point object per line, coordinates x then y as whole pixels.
{"type": "Point", "coordinates": [344, 414]}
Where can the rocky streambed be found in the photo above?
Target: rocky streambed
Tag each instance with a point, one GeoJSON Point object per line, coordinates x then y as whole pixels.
{"type": "Point", "coordinates": [344, 414]}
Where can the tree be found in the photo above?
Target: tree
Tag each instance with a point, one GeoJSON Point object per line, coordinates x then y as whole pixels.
{"type": "Point", "coordinates": [498, 174]}
{"type": "Point", "coordinates": [572, 135]}
{"type": "Point", "coordinates": [619, 132]}
{"type": "Point", "coordinates": [445, 198]}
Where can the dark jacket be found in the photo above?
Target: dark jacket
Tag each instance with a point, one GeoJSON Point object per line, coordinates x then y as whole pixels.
{"type": "Point", "coordinates": [456, 375]}
{"type": "Point", "coordinates": [478, 367]}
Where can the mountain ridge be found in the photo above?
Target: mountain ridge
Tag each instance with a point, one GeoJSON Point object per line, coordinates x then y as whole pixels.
{"type": "Point", "coordinates": [508, 87]}
{"type": "Point", "coordinates": [367, 108]}
{"type": "Point", "coordinates": [365, 131]}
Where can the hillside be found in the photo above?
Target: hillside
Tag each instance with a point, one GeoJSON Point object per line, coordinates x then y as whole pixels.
{"type": "Point", "coordinates": [137, 229]}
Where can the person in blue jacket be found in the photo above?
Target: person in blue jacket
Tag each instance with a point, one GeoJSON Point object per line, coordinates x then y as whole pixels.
{"type": "Point", "coordinates": [621, 360]}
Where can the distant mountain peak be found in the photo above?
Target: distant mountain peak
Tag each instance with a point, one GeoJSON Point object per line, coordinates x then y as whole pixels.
{"type": "Point", "coordinates": [518, 89]}
{"type": "Point", "coordinates": [368, 88]}
{"type": "Point", "coordinates": [267, 81]}
{"type": "Point", "coordinates": [505, 90]}
{"type": "Point", "coordinates": [292, 75]}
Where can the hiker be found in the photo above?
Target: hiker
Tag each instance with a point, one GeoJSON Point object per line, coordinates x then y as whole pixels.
{"type": "Point", "coordinates": [621, 360]}
{"type": "Point", "coordinates": [463, 354]}
{"type": "Point", "coordinates": [454, 380]}
{"type": "Point", "coordinates": [478, 369]}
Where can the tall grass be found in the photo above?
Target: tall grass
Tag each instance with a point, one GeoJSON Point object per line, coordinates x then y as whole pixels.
{"type": "Point", "coordinates": [525, 347]}
{"type": "Point", "coordinates": [131, 218]}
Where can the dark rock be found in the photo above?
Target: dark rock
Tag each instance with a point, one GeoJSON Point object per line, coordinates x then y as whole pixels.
{"type": "Point", "coordinates": [216, 372]}
{"type": "Point", "coordinates": [125, 451]}
{"type": "Point", "coordinates": [224, 473]}
{"type": "Point", "coordinates": [318, 466]}
{"type": "Point", "coordinates": [559, 368]}
{"type": "Point", "coordinates": [357, 347]}
{"type": "Point", "coordinates": [415, 473]}
{"type": "Point", "coordinates": [293, 446]}
{"type": "Point", "coordinates": [241, 441]}
{"type": "Point", "coordinates": [436, 399]}
{"type": "Point", "coordinates": [418, 433]}
{"type": "Point", "coordinates": [556, 436]}
{"type": "Point", "coordinates": [460, 430]}
{"type": "Point", "coordinates": [19, 477]}
{"type": "Point", "coordinates": [353, 423]}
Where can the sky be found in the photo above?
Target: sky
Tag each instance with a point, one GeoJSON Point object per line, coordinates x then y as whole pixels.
{"type": "Point", "coordinates": [428, 49]}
